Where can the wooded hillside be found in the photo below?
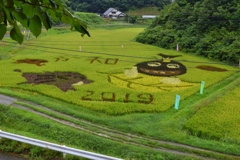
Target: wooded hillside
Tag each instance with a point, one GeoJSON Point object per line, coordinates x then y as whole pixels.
{"type": "Point", "coordinates": [100, 6]}
{"type": "Point", "coordinates": [205, 27]}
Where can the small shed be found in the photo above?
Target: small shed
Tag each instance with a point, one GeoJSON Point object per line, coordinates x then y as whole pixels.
{"type": "Point", "coordinates": [149, 16]}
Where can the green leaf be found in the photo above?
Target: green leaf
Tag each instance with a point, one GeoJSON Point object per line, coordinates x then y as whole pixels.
{"type": "Point", "coordinates": [53, 15]}
{"type": "Point", "coordinates": [66, 19]}
{"type": "Point", "coordinates": [1, 16]}
{"type": "Point", "coordinates": [34, 1]}
{"type": "Point", "coordinates": [35, 25]}
{"type": "Point", "coordinates": [59, 4]}
{"type": "Point", "coordinates": [18, 4]}
{"type": "Point", "coordinates": [1, 4]}
{"type": "Point", "coordinates": [45, 19]}
{"type": "Point", "coordinates": [8, 17]}
{"type": "Point", "coordinates": [28, 10]}
{"type": "Point", "coordinates": [81, 29]}
{"type": "Point", "coordinates": [77, 20]}
{"type": "Point", "coordinates": [83, 25]}
{"type": "Point", "coordinates": [3, 30]}
{"type": "Point", "coordinates": [58, 14]}
{"type": "Point", "coordinates": [53, 4]}
{"type": "Point", "coordinates": [5, 20]}
{"type": "Point", "coordinates": [16, 35]}
{"type": "Point", "coordinates": [10, 3]}
{"type": "Point", "coordinates": [22, 18]}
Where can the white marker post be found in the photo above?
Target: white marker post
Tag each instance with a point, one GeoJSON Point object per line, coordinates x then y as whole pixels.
{"type": "Point", "coordinates": [202, 87]}
{"type": "Point", "coordinates": [80, 48]}
{"type": "Point", "coordinates": [177, 101]}
{"type": "Point", "coordinates": [28, 35]}
{"type": "Point", "coordinates": [122, 46]}
{"type": "Point", "coordinates": [177, 48]}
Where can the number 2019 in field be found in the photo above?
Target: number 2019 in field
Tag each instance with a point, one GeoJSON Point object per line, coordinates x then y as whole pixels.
{"type": "Point", "coordinates": [145, 98]}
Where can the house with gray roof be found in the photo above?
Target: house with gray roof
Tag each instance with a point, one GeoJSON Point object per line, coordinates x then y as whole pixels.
{"type": "Point", "coordinates": [113, 13]}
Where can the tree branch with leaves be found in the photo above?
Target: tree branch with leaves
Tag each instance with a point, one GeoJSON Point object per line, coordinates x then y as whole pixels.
{"type": "Point", "coordinates": [33, 15]}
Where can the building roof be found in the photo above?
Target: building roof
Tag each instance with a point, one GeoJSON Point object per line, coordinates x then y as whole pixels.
{"type": "Point", "coordinates": [110, 10]}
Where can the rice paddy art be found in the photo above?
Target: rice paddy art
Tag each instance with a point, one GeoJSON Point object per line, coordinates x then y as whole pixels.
{"type": "Point", "coordinates": [153, 76]}
{"type": "Point", "coordinates": [62, 80]}
{"type": "Point", "coordinates": [105, 77]}
{"type": "Point", "coordinates": [164, 67]}
{"type": "Point", "coordinates": [211, 68]}
{"type": "Point", "coordinates": [38, 62]}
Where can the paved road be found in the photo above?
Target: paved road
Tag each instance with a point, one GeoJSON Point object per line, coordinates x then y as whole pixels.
{"type": "Point", "coordinates": [6, 100]}
{"type": "Point", "coordinates": [5, 156]}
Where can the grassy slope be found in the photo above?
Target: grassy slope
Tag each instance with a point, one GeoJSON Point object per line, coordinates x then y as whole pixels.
{"type": "Point", "coordinates": [152, 125]}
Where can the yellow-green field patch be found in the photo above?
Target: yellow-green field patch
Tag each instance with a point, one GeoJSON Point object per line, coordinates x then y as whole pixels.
{"type": "Point", "coordinates": [222, 117]}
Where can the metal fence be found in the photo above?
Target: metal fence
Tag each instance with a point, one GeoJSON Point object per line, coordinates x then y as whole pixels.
{"type": "Point", "coordinates": [60, 148]}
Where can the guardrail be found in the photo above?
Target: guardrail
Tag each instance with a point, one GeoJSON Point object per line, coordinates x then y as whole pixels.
{"type": "Point", "coordinates": [60, 148]}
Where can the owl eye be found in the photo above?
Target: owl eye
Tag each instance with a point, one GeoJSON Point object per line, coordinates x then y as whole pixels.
{"type": "Point", "coordinates": [154, 64]}
{"type": "Point", "coordinates": [171, 65]}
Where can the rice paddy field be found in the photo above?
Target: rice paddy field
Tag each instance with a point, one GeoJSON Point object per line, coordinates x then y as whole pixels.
{"type": "Point", "coordinates": [110, 80]}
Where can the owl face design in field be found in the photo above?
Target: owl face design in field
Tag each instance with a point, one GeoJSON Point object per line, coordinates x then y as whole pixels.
{"type": "Point", "coordinates": [153, 76]}
{"type": "Point", "coordinates": [164, 67]}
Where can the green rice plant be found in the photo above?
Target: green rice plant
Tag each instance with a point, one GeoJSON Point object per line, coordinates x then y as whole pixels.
{"type": "Point", "coordinates": [222, 115]}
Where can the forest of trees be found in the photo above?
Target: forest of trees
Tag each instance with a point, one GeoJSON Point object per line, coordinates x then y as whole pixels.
{"type": "Point", "coordinates": [206, 27]}
{"type": "Point", "coordinates": [100, 6]}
